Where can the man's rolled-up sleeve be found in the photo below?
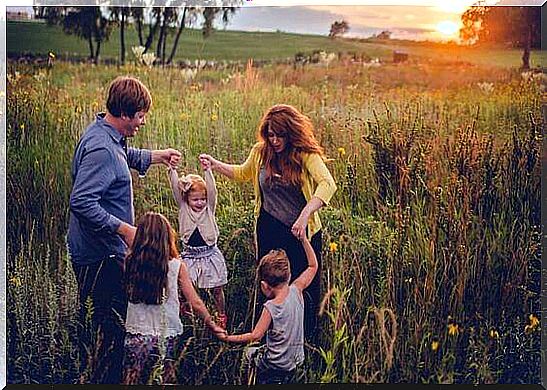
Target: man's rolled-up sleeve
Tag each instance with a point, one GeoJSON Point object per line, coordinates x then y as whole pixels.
{"type": "Point", "coordinates": [94, 176]}
{"type": "Point", "coordinates": [139, 159]}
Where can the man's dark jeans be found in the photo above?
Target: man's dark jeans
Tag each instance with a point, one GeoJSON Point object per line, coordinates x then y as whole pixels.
{"type": "Point", "coordinates": [103, 308]}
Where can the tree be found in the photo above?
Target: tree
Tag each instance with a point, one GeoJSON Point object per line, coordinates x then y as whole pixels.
{"type": "Point", "coordinates": [85, 22]}
{"type": "Point", "coordinates": [386, 34]}
{"type": "Point", "coordinates": [338, 28]}
{"type": "Point", "coordinates": [511, 26]}
{"type": "Point", "coordinates": [211, 13]}
{"type": "Point", "coordinates": [121, 13]}
{"type": "Point", "coordinates": [164, 20]}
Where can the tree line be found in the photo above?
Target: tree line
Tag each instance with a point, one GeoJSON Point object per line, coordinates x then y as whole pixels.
{"type": "Point", "coordinates": [154, 25]}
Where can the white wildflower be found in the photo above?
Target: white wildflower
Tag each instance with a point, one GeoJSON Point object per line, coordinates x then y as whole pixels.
{"type": "Point", "coordinates": [138, 51]}
{"type": "Point", "coordinates": [148, 59]}
{"type": "Point", "coordinates": [486, 87]}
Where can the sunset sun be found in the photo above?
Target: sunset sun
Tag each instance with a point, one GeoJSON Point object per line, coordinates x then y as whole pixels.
{"type": "Point", "coordinates": [447, 28]}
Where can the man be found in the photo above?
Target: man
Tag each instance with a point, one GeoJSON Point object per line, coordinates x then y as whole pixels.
{"type": "Point", "coordinates": [101, 222]}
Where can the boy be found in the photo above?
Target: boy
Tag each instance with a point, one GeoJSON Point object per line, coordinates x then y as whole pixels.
{"type": "Point", "coordinates": [278, 360]}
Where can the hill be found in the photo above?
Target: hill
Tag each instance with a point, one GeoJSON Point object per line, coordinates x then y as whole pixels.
{"type": "Point", "coordinates": [39, 39]}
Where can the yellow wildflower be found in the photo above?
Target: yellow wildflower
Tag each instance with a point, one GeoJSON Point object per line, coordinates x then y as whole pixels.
{"type": "Point", "coordinates": [214, 117]}
{"type": "Point", "coordinates": [184, 116]}
{"type": "Point", "coordinates": [494, 334]}
{"type": "Point", "coordinates": [51, 55]}
{"type": "Point", "coordinates": [333, 247]}
{"type": "Point", "coordinates": [434, 345]}
{"type": "Point", "coordinates": [453, 329]}
{"type": "Point", "coordinates": [15, 280]}
{"type": "Point", "coordinates": [22, 126]}
{"type": "Point", "coordinates": [534, 323]}
{"type": "Point", "coordinates": [341, 151]}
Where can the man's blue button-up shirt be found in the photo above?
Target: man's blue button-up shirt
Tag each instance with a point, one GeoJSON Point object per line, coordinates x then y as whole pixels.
{"type": "Point", "coordinates": [102, 192]}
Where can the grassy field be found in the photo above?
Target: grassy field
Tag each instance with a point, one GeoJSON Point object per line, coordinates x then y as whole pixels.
{"type": "Point", "coordinates": [38, 38]}
{"type": "Point", "coordinates": [432, 259]}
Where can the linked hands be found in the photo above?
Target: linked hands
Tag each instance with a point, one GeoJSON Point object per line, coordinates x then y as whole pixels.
{"type": "Point", "coordinates": [169, 157]}
{"type": "Point", "coordinates": [298, 229]}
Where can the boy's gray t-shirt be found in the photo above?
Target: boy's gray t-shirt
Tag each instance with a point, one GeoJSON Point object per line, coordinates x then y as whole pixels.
{"type": "Point", "coordinates": [285, 339]}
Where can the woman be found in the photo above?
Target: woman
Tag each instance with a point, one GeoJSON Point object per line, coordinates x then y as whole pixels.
{"type": "Point", "coordinates": [291, 183]}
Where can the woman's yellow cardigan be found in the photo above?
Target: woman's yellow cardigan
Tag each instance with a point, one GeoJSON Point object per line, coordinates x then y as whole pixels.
{"type": "Point", "coordinates": [316, 181]}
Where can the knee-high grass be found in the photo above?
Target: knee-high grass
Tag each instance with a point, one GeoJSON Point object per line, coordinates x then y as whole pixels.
{"type": "Point", "coordinates": [431, 255]}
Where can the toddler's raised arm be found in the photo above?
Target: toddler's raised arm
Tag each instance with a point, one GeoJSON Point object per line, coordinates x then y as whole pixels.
{"type": "Point", "coordinates": [174, 182]}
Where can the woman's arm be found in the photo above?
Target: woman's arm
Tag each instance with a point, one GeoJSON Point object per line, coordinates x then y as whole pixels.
{"type": "Point", "coordinates": [257, 333]}
{"type": "Point", "coordinates": [242, 172]}
{"type": "Point", "coordinates": [299, 226]}
{"type": "Point", "coordinates": [218, 166]}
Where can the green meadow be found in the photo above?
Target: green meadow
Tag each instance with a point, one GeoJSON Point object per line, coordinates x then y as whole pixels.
{"type": "Point", "coordinates": [431, 255]}
{"type": "Point", "coordinates": [39, 38]}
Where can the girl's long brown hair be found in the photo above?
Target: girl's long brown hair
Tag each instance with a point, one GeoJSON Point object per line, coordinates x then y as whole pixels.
{"type": "Point", "coordinates": [147, 263]}
{"type": "Point", "coordinates": [297, 128]}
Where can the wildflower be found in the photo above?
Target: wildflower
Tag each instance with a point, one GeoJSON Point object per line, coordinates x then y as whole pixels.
{"type": "Point", "coordinates": [138, 51]}
{"type": "Point", "coordinates": [184, 116]}
{"type": "Point", "coordinates": [526, 76]}
{"type": "Point", "coordinates": [15, 280]}
{"type": "Point", "coordinates": [22, 126]}
{"type": "Point", "coordinates": [51, 55]}
{"type": "Point", "coordinates": [494, 334]}
{"type": "Point", "coordinates": [148, 59]}
{"type": "Point", "coordinates": [341, 151]}
{"type": "Point", "coordinates": [333, 247]}
{"type": "Point", "coordinates": [486, 87]}
{"type": "Point", "coordinates": [534, 323]}
{"type": "Point", "coordinates": [434, 345]}
{"type": "Point", "coordinates": [453, 329]}
{"type": "Point", "coordinates": [214, 117]}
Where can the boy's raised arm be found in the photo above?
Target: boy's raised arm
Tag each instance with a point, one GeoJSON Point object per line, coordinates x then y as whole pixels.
{"type": "Point", "coordinates": [307, 276]}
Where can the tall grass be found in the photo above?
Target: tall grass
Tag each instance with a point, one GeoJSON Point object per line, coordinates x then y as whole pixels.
{"type": "Point", "coordinates": [431, 245]}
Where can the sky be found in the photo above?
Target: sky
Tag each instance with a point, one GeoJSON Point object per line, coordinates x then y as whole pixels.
{"type": "Point", "coordinates": [405, 22]}
{"type": "Point", "coordinates": [437, 20]}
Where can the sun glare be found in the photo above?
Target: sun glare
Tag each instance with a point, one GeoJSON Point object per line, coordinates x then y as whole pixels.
{"type": "Point", "coordinates": [448, 28]}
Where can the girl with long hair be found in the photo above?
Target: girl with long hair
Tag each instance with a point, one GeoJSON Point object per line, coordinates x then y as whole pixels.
{"type": "Point", "coordinates": [154, 277]}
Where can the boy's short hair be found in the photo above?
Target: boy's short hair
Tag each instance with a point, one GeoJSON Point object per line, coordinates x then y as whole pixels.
{"type": "Point", "coordinates": [127, 96]}
{"type": "Point", "coordinates": [274, 268]}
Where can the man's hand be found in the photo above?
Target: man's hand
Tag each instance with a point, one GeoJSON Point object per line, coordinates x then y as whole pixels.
{"type": "Point", "coordinates": [127, 232]}
{"type": "Point", "coordinates": [169, 157]}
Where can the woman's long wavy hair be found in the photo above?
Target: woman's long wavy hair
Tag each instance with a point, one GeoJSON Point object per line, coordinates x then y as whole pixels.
{"type": "Point", "coordinates": [286, 121]}
{"type": "Point", "coordinates": [147, 263]}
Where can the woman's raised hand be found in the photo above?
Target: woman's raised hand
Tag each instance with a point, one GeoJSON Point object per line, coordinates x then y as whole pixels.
{"type": "Point", "coordinates": [206, 160]}
{"type": "Point", "coordinates": [205, 164]}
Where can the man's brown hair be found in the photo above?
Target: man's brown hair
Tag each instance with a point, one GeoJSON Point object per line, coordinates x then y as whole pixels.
{"type": "Point", "coordinates": [274, 268]}
{"type": "Point", "coordinates": [127, 96]}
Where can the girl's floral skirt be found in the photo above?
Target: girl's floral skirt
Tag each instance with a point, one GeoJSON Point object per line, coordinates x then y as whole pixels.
{"type": "Point", "coordinates": [150, 359]}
